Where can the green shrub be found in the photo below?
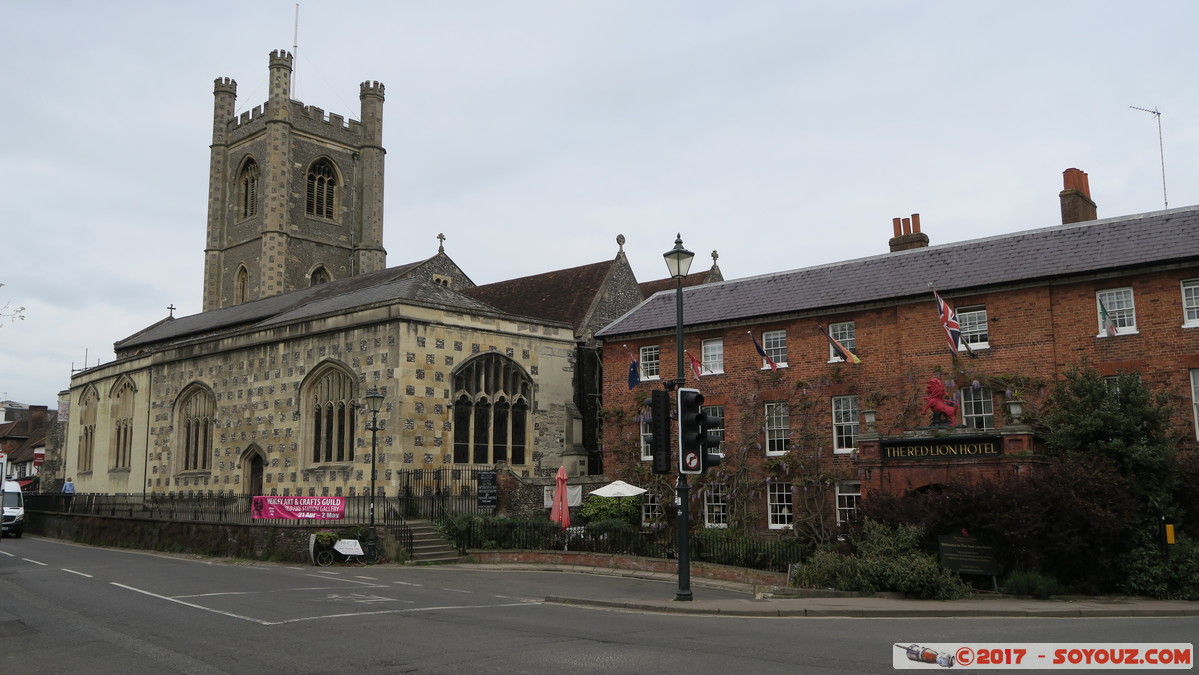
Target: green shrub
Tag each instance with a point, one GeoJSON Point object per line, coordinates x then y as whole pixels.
{"type": "Point", "coordinates": [885, 559]}
{"type": "Point", "coordinates": [1034, 584]}
{"type": "Point", "coordinates": [626, 509]}
{"type": "Point", "coordinates": [1149, 573]}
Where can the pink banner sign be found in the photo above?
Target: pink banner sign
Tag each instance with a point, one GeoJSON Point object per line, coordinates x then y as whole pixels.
{"type": "Point", "coordinates": [299, 508]}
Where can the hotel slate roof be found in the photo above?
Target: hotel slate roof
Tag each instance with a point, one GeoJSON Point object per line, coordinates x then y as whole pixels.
{"type": "Point", "coordinates": [1159, 237]}
{"type": "Point", "coordinates": [383, 286]}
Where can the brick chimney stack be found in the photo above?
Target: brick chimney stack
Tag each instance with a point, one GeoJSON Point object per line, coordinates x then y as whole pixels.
{"type": "Point", "coordinates": [1077, 206]}
{"type": "Point", "coordinates": [907, 234]}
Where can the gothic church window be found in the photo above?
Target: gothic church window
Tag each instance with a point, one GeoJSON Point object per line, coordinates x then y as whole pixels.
{"type": "Point", "coordinates": [89, 401]}
{"type": "Point", "coordinates": [247, 183]}
{"type": "Point", "coordinates": [320, 275]}
{"type": "Point", "coordinates": [492, 398]}
{"type": "Point", "coordinates": [241, 289]}
{"type": "Point", "coordinates": [322, 185]}
{"type": "Point", "coordinates": [122, 420]}
{"type": "Point", "coordinates": [332, 408]}
{"type": "Point", "coordinates": [194, 422]}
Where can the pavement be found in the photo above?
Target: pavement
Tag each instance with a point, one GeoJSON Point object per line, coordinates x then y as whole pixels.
{"type": "Point", "coordinates": [779, 602]}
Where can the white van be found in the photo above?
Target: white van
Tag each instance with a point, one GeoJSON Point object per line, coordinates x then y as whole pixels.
{"type": "Point", "coordinates": [14, 510]}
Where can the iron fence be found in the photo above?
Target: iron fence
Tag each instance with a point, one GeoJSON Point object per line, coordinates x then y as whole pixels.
{"type": "Point", "coordinates": [712, 546]}
{"type": "Point", "coordinates": [432, 494]}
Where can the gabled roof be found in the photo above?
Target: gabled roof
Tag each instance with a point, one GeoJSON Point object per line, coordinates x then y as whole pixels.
{"type": "Point", "coordinates": [648, 288]}
{"type": "Point", "coordinates": [336, 297]}
{"type": "Point", "coordinates": [1161, 237]}
{"type": "Point", "coordinates": [250, 313]}
{"type": "Point", "coordinates": [562, 295]}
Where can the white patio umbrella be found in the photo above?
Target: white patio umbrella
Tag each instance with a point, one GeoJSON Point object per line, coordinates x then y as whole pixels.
{"type": "Point", "coordinates": [618, 488]}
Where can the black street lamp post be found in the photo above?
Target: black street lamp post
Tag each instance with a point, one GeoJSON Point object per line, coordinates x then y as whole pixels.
{"type": "Point", "coordinates": [374, 401]}
{"type": "Point", "coordinates": [678, 261]}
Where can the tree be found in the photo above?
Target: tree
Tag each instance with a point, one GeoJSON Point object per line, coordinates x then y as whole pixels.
{"type": "Point", "coordinates": [14, 314]}
{"type": "Point", "coordinates": [1119, 421]}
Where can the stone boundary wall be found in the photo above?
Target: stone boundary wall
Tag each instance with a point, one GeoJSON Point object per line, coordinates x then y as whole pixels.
{"type": "Point", "coordinates": [610, 561]}
{"type": "Point", "coordinates": [224, 540]}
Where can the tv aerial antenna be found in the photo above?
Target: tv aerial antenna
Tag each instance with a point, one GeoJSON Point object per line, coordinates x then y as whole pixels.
{"type": "Point", "coordinates": [1160, 149]}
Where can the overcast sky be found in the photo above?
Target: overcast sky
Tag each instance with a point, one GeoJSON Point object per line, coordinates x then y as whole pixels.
{"type": "Point", "coordinates": [781, 134]}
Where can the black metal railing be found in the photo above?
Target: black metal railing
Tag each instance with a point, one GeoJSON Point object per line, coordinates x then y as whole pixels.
{"type": "Point", "coordinates": [718, 547]}
{"type": "Point", "coordinates": [432, 494]}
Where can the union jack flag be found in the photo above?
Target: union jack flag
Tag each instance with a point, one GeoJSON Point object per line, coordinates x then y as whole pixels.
{"type": "Point", "coordinates": [949, 321]}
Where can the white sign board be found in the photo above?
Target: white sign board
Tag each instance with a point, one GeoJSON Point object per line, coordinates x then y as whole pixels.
{"type": "Point", "coordinates": [348, 547]}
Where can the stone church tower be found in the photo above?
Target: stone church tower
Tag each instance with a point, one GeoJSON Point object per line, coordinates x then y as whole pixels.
{"type": "Point", "coordinates": [295, 195]}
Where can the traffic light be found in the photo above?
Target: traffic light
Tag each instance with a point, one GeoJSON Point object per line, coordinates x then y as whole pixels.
{"type": "Point", "coordinates": [695, 436]}
{"type": "Point", "coordinates": [690, 431]}
{"type": "Point", "coordinates": [708, 442]}
{"type": "Point", "coordinates": [659, 424]}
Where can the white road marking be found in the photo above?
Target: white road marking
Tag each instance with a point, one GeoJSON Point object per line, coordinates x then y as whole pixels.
{"type": "Point", "coordinates": [79, 573]}
{"type": "Point", "coordinates": [406, 583]}
{"type": "Point", "coordinates": [192, 605]}
{"type": "Point", "coordinates": [456, 590]}
{"type": "Point", "coordinates": [34, 561]}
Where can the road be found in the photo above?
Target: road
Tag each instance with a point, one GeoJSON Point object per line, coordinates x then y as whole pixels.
{"type": "Point", "coordinates": [71, 608]}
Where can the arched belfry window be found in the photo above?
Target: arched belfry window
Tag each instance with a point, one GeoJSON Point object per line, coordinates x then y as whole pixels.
{"type": "Point", "coordinates": [331, 408]}
{"type": "Point", "coordinates": [322, 190]}
{"type": "Point", "coordinates": [194, 419]}
{"type": "Point", "coordinates": [247, 188]}
{"type": "Point", "coordinates": [320, 275]}
{"type": "Point", "coordinates": [241, 286]}
{"type": "Point", "coordinates": [492, 398]}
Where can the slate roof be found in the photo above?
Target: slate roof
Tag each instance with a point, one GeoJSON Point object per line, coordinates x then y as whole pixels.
{"type": "Point", "coordinates": [648, 288]}
{"type": "Point", "coordinates": [562, 295]}
{"type": "Point", "coordinates": [1159, 237]}
{"type": "Point", "coordinates": [385, 286]}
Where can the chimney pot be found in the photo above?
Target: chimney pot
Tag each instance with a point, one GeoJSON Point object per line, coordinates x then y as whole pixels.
{"type": "Point", "coordinates": [915, 222]}
{"type": "Point", "coordinates": [895, 224]}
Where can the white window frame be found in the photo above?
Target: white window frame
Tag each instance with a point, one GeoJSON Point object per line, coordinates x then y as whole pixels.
{"type": "Point", "coordinates": [716, 506]}
{"type": "Point", "coordinates": [651, 510]}
{"type": "Point", "coordinates": [1121, 307]}
{"type": "Point", "coordinates": [714, 412]}
{"type": "Point", "coordinates": [845, 424]}
{"type": "Point", "coordinates": [777, 435]}
{"type": "Point", "coordinates": [780, 506]}
{"type": "Point", "coordinates": [1195, 398]}
{"type": "Point", "coordinates": [647, 435]}
{"type": "Point", "coordinates": [645, 362]}
{"type": "Point", "coordinates": [713, 353]}
{"type": "Point", "coordinates": [849, 497]}
{"type": "Point", "coordinates": [978, 407]}
{"type": "Point", "coordinates": [975, 330]}
{"type": "Point", "coordinates": [1190, 303]}
{"type": "Point", "coordinates": [774, 343]}
{"type": "Point", "coordinates": [846, 334]}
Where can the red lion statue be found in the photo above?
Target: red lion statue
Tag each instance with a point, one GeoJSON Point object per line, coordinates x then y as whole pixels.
{"type": "Point", "coordinates": [944, 409]}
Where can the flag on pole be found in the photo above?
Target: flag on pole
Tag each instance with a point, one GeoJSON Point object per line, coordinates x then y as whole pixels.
{"type": "Point", "coordinates": [1109, 326]}
{"type": "Point", "coordinates": [838, 349]}
{"type": "Point", "coordinates": [696, 366]}
{"type": "Point", "coordinates": [949, 321]}
{"type": "Point", "coordinates": [773, 366]}
{"type": "Point", "coordinates": [634, 369]}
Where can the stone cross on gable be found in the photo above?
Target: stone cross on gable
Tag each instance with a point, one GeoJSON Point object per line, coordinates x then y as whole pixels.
{"type": "Point", "coordinates": [441, 243]}
{"type": "Point", "coordinates": [171, 307]}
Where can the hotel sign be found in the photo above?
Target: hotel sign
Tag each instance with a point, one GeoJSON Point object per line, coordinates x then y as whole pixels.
{"type": "Point", "coordinates": [962, 447]}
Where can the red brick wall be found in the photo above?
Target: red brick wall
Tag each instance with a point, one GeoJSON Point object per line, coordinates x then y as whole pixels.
{"type": "Point", "coordinates": [1035, 331]}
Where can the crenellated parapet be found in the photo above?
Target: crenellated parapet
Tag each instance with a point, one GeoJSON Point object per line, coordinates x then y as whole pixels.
{"type": "Point", "coordinates": [370, 88]}
{"type": "Point", "coordinates": [281, 58]}
{"type": "Point", "coordinates": [224, 85]}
